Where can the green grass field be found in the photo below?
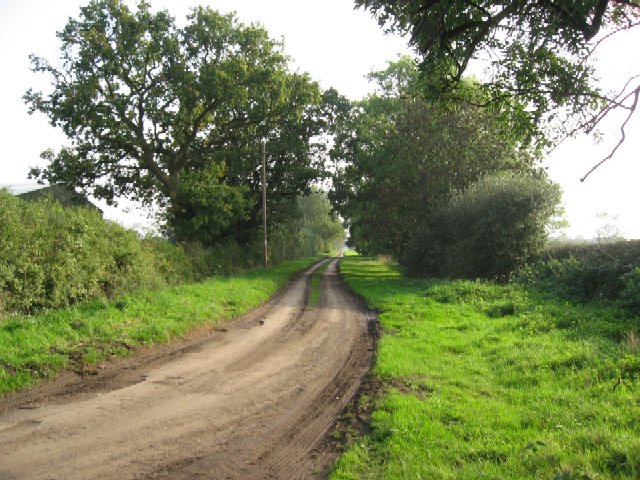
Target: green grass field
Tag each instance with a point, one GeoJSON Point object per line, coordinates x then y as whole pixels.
{"type": "Point", "coordinates": [495, 381]}
{"type": "Point", "coordinates": [36, 347]}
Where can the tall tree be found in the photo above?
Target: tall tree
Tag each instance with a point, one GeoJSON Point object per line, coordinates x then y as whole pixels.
{"type": "Point", "coordinates": [147, 105]}
{"type": "Point", "coordinates": [322, 231]}
{"type": "Point", "coordinates": [397, 156]}
{"type": "Point", "coordinates": [537, 54]}
{"type": "Point", "coordinates": [311, 228]}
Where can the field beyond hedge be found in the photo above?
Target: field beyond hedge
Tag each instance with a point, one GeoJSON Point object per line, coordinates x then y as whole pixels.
{"type": "Point", "coordinates": [493, 381]}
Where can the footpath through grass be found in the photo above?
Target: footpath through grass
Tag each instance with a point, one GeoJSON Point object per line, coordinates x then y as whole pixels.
{"type": "Point", "coordinates": [495, 381]}
{"type": "Point", "coordinates": [35, 347]}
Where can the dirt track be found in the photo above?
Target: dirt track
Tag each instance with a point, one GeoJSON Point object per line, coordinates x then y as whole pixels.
{"type": "Point", "coordinates": [255, 401]}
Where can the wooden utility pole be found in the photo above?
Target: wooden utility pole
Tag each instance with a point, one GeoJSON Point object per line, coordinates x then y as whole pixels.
{"type": "Point", "coordinates": [264, 203]}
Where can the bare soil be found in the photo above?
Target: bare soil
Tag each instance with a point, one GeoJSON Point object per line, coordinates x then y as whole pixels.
{"type": "Point", "coordinates": [255, 399]}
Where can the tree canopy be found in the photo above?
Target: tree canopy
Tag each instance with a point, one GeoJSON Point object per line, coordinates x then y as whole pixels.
{"type": "Point", "coordinates": [146, 104]}
{"type": "Point", "coordinates": [537, 54]}
{"type": "Point", "coordinates": [398, 156]}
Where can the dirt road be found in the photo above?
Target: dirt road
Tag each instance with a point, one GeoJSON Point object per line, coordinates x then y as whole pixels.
{"type": "Point", "coordinates": [254, 401]}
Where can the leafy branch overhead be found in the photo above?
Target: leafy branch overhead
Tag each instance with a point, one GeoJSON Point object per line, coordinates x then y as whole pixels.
{"type": "Point", "coordinates": [536, 54]}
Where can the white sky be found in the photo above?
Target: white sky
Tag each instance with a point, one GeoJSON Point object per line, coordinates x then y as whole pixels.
{"type": "Point", "coordinates": [337, 46]}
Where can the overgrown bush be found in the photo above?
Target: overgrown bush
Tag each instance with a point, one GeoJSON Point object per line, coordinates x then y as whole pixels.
{"type": "Point", "coordinates": [630, 294]}
{"type": "Point", "coordinates": [223, 258]}
{"type": "Point", "coordinates": [486, 231]}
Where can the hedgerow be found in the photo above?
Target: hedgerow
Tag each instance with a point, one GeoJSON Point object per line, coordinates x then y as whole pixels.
{"type": "Point", "coordinates": [589, 271]}
{"type": "Point", "coordinates": [53, 257]}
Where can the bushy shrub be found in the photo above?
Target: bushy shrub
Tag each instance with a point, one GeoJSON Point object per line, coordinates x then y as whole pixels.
{"type": "Point", "coordinates": [223, 258]}
{"type": "Point", "coordinates": [172, 261]}
{"type": "Point", "coordinates": [620, 252]}
{"type": "Point", "coordinates": [630, 294]}
{"type": "Point", "coordinates": [486, 231]}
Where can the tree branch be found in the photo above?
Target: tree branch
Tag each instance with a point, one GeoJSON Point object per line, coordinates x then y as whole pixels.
{"type": "Point", "coordinates": [182, 156]}
{"type": "Point", "coordinates": [588, 30]}
{"type": "Point", "coordinates": [482, 31]}
{"type": "Point", "coordinates": [618, 101]}
{"type": "Point", "coordinates": [478, 7]}
{"type": "Point", "coordinates": [606, 37]}
{"type": "Point", "coordinates": [636, 96]}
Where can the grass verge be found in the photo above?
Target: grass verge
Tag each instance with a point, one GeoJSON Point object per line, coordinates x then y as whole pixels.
{"type": "Point", "coordinates": [36, 347]}
{"type": "Point", "coordinates": [495, 381]}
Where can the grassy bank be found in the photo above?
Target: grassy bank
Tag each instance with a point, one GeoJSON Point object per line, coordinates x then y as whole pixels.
{"type": "Point", "coordinates": [36, 347]}
{"type": "Point", "coordinates": [495, 381]}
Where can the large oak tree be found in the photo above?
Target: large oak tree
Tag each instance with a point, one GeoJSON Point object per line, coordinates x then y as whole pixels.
{"type": "Point", "coordinates": [158, 112]}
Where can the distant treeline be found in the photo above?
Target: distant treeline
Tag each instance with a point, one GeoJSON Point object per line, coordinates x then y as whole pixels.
{"type": "Point", "coordinates": [51, 256]}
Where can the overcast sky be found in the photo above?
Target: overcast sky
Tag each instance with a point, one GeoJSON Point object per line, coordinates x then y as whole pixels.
{"type": "Point", "coordinates": [337, 46]}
